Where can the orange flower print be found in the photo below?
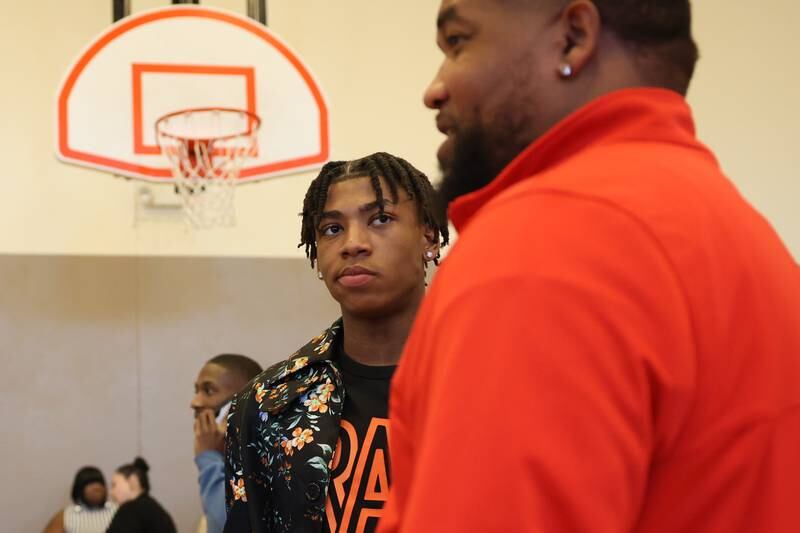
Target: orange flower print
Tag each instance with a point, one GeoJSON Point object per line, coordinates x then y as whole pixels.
{"type": "Point", "coordinates": [288, 446]}
{"type": "Point", "coordinates": [324, 391]}
{"type": "Point", "coordinates": [302, 437]}
{"type": "Point", "coordinates": [238, 490]}
{"type": "Point", "coordinates": [260, 392]}
{"type": "Point", "coordinates": [298, 363]}
{"type": "Point", "coordinates": [323, 347]}
{"type": "Point", "coordinates": [277, 391]}
{"type": "Point", "coordinates": [315, 404]}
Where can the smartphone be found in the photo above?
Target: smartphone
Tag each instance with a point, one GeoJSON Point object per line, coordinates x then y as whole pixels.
{"type": "Point", "coordinates": [222, 412]}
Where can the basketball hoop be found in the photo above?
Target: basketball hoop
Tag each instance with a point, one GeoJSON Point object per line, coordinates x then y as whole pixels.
{"type": "Point", "coordinates": [207, 148]}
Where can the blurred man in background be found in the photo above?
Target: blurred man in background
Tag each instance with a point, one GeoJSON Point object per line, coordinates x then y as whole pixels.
{"type": "Point", "coordinates": [219, 379]}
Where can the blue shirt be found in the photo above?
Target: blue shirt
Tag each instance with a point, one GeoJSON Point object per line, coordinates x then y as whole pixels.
{"type": "Point", "coordinates": [211, 467]}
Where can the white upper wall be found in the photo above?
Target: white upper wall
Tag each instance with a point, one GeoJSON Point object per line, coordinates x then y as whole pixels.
{"type": "Point", "coordinates": [372, 59]}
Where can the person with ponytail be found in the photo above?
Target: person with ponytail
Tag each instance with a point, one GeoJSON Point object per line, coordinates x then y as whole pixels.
{"type": "Point", "coordinates": [138, 511]}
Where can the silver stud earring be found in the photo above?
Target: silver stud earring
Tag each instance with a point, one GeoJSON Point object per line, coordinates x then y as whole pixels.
{"type": "Point", "coordinates": [319, 274]}
{"type": "Point", "coordinates": [565, 69]}
{"type": "Point", "coordinates": [429, 255]}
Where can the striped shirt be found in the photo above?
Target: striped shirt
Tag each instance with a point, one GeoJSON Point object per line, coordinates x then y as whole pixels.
{"type": "Point", "coordinates": [80, 519]}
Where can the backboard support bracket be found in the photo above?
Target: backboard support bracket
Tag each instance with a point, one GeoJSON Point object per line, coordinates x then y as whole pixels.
{"type": "Point", "coordinates": [256, 9]}
{"type": "Point", "coordinates": [147, 208]}
{"type": "Point", "coordinates": [120, 9]}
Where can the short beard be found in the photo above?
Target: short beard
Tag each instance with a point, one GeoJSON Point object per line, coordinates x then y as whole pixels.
{"type": "Point", "coordinates": [471, 168]}
{"type": "Point", "coordinates": [480, 155]}
{"type": "Point", "coordinates": [490, 135]}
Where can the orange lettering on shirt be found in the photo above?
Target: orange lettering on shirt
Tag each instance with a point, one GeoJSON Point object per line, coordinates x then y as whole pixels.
{"type": "Point", "coordinates": [378, 481]}
{"type": "Point", "coordinates": [377, 488]}
{"type": "Point", "coordinates": [349, 432]}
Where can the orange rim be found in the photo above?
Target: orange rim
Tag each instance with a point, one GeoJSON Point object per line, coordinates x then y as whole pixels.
{"type": "Point", "coordinates": [254, 123]}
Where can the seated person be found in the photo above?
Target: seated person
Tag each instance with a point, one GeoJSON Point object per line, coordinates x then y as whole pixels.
{"type": "Point", "coordinates": [90, 512]}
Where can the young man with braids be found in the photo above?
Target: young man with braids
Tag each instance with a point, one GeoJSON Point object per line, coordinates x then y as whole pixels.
{"type": "Point", "coordinates": [621, 327]}
{"type": "Point", "coordinates": [307, 438]}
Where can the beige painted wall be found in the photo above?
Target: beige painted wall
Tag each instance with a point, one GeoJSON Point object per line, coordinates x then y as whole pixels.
{"type": "Point", "coordinates": [99, 360]}
{"type": "Point", "coordinates": [745, 102]}
{"type": "Point", "coordinates": [373, 59]}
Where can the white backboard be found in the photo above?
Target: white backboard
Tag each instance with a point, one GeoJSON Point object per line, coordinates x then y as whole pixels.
{"type": "Point", "coordinates": [179, 57]}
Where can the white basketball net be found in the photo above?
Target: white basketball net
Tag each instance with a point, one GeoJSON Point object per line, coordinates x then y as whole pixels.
{"type": "Point", "coordinates": [207, 148]}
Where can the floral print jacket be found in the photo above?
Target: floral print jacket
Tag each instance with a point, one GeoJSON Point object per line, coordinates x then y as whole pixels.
{"type": "Point", "coordinates": [282, 431]}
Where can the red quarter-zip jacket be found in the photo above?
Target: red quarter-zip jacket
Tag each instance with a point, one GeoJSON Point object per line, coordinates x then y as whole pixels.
{"type": "Point", "coordinates": [612, 345]}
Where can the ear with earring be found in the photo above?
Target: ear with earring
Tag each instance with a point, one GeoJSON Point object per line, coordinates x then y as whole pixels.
{"type": "Point", "coordinates": [429, 256]}
{"type": "Point", "coordinates": [319, 274]}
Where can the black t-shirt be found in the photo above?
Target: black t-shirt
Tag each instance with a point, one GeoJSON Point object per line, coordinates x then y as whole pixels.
{"type": "Point", "coordinates": [142, 515]}
{"type": "Point", "coordinates": [360, 475]}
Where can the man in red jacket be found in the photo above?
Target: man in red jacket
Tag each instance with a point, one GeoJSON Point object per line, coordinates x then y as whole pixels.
{"type": "Point", "coordinates": [614, 342]}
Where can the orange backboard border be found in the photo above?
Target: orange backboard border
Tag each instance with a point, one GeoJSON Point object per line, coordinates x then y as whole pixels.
{"type": "Point", "coordinates": [68, 154]}
{"type": "Point", "coordinates": [139, 69]}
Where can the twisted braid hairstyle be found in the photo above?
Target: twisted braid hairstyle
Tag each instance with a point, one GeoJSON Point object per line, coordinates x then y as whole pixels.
{"type": "Point", "coordinates": [397, 173]}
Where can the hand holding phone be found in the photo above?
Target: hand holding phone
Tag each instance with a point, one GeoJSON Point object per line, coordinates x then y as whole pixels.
{"type": "Point", "coordinates": [207, 433]}
{"type": "Point", "coordinates": [222, 412]}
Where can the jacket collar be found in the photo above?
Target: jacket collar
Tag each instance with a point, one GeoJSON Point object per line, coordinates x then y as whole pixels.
{"type": "Point", "coordinates": [648, 114]}
{"type": "Point", "coordinates": [284, 382]}
{"type": "Point", "coordinates": [316, 350]}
